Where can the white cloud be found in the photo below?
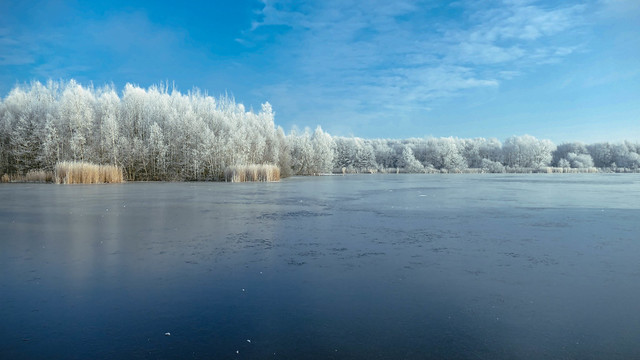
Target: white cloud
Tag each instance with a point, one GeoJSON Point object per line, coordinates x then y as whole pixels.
{"type": "Point", "coordinates": [399, 52]}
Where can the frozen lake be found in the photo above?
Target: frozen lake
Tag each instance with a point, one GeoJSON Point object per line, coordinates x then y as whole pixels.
{"type": "Point", "coordinates": [372, 266]}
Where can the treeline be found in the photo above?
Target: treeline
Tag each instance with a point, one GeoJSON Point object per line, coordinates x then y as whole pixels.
{"type": "Point", "coordinates": [162, 134]}
{"type": "Point", "coordinates": [153, 134]}
{"type": "Point", "coordinates": [516, 154]}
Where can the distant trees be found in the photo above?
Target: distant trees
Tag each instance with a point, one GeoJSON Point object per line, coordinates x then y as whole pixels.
{"type": "Point", "coordinates": [623, 155]}
{"type": "Point", "coordinates": [572, 155]}
{"type": "Point", "coordinates": [527, 152]}
{"type": "Point", "coordinates": [626, 155]}
{"type": "Point", "coordinates": [162, 134]}
{"type": "Point", "coordinates": [354, 155]}
{"type": "Point", "coordinates": [519, 153]}
{"type": "Point", "coordinates": [445, 153]}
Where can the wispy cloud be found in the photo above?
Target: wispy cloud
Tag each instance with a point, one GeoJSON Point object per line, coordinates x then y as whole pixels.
{"type": "Point", "coordinates": [406, 52]}
{"type": "Point", "coordinates": [14, 48]}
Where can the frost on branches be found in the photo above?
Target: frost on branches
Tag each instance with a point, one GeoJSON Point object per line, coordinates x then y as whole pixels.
{"type": "Point", "coordinates": [163, 134]}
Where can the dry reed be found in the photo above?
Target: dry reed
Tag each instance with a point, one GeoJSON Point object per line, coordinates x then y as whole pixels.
{"type": "Point", "coordinates": [253, 172]}
{"type": "Point", "coordinates": [32, 176]}
{"type": "Point", "coordinates": [39, 176]}
{"type": "Point", "coordinates": [67, 172]}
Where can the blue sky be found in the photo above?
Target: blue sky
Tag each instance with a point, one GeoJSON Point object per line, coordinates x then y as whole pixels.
{"type": "Point", "coordinates": [565, 71]}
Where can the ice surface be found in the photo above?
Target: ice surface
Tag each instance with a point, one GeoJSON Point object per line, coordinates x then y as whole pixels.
{"type": "Point", "coordinates": [371, 266]}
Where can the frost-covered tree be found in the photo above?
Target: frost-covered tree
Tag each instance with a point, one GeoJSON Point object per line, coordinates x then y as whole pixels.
{"type": "Point", "coordinates": [563, 150]}
{"type": "Point", "coordinates": [626, 155]}
{"type": "Point", "coordinates": [284, 153]}
{"type": "Point", "coordinates": [445, 153]}
{"type": "Point", "coordinates": [271, 152]}
{"type": "Point", "coordinates": [26, 144]}
{"type": "Point", "coordinates": [77, 115]}
{"type": "Point", "coordinates": [157, 152]}
{"type": "Point", "coordinates": [491, 149]}
{"type": "Point", "coordinates": [564, 163]}
{"type": "Point", "coordinates": [385, 155]}
{"type": "Point", "coordinates": [527, 152]}
{"type": "Point", "coordinates": [51, 145]}
{"type": "Point", "coordinates": [345, 153]}
{"type": "Point", "coordinates": [160, 133]}
{"type": "Point", "coordinates": [301, 152]}
{"type": "Point", "coordinates": [409, 162]}
{"type": "Point", "coordinates": [602, 154]}
{"type": "Point", "coordinates": [365, 158]}
{"type": "Point", "coordinates": [470, 152]}
{"type": "Point", "coordinates": [354, 155]}
{"type": "Point", "coordinates": [323, 152]}
{"type": "Point", "coordinates": [108, 112]}
{"type": "Point", "coordinates": [579, 161]}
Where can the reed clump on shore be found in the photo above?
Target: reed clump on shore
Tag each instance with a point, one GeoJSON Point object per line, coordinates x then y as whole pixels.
{"type": "Point", "coordinates": [252, 172]}
{"type": "Point", "coordinates": [69, 172]}
{"type": "Point", "coordinates": [77, 172]}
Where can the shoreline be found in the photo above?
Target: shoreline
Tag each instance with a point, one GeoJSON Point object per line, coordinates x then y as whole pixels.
{"type": "Point", "coordinates": [24, 179]}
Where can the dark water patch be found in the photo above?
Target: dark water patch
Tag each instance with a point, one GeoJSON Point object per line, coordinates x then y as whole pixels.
{"type": "Point", "coordinates": [338, 250]}
{"type": "Point", "coordinates": [295, 262]}
{"type": "Point", "coordinates": [551, 224]}
{"type": "Point", "coordinates": [292, 215]}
